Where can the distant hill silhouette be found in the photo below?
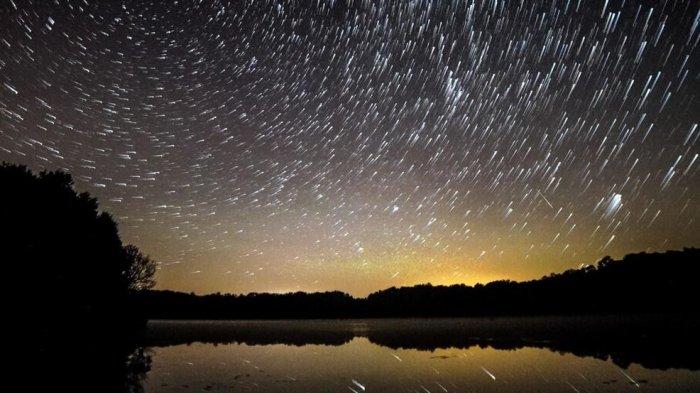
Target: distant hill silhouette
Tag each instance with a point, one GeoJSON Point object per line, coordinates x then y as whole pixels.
{"type": "Point", "coordinates": [63, 258]}
{"type": "Point", "coordinates": [639, 283]}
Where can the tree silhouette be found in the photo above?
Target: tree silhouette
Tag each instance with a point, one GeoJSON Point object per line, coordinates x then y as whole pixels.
{"type": "Point", "coordinates": [661, 283]}
{"type": "Point", "coordinates": [140, 269]}
{"type": "Point", "coordinates": [64, 255]}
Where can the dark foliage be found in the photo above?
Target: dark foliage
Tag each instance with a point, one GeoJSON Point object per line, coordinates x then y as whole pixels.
{"type": "Point", "coordinates": [91, 363]}
{"type": "Point", "coordinates": [176, 305]}
{"type": "Point", "coordinates": [65, 256]}
{"type": "Point", "coordinates": [639, 283]}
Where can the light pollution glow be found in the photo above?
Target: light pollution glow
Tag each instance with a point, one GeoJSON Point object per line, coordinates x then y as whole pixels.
{"type": "Point", "coordinates": [287, 145]}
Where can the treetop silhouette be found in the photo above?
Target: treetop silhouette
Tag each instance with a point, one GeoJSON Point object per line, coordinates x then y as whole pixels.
{"type": "Point", "coordinates": [64, 255]}
{"type": "Point", "coordinates": [659, 283]}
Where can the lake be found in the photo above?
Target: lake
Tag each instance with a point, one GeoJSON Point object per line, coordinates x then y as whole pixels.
{"type": "Point", "coordinates": [571, 354]}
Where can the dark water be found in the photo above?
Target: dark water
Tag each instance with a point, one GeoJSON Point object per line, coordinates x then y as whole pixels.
{"type": "Point", "coordinates": [453, 355]}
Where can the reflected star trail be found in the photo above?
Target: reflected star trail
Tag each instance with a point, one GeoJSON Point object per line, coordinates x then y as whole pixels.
{"type": "Point", "coordinates": [356, 145]}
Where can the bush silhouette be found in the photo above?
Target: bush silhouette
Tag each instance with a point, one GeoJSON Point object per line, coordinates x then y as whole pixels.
{"type": "Point", "coordinates": [65, 256]}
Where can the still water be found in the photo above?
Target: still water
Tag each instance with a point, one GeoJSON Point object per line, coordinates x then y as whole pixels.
{"type": "Point", "coordinates": [509, 355]}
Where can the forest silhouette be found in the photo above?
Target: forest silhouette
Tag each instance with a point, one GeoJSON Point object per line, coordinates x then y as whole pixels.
{"type": "Point", "coordinates": [59, 241]}
{"type": "Point", "coordinates": [636, 284]}
{"type": "Point", "coordinates": [81, 274]}
{"type": "Point", "coordinates": [73, 286]}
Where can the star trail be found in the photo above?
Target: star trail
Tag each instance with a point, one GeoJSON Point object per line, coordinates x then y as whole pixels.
{"type": "Point", "coordinates": [260, 145]}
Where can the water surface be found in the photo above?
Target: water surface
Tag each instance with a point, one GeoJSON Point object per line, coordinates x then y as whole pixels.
{"type": "Point", "coordinates": [502, 355]}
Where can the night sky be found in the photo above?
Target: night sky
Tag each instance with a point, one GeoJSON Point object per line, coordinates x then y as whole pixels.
{"type": "Point", "coordinates": [260, 145]}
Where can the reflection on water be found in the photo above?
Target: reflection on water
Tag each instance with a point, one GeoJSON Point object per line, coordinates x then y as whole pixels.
{"type": "Point", "coordinates": [85, 363]}
{"type": "Point", "coordinates": [504, 355]}
{"type": "Point", "coordinates": [360, 365]}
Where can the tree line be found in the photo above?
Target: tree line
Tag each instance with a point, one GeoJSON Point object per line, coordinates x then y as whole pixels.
{"type": "Point", "coordinates": [638, 283]}
{"type": "Point", "coordinates": [67, 264]}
